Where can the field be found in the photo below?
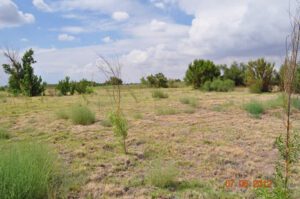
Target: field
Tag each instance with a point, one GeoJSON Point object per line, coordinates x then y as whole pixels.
{"type": "Point", "coordinates": [191, 142]}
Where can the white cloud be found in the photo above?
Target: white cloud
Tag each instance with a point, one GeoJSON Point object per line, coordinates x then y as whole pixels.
{"type": "Point", "coordinates": [136, 57]}
{"type": "Point", "coordinates": [74, 29]}
{"type": "Point", "coordinates": [65, 37]}
{"type": "Point", "coordinates": [157, 25]}
{"type": "Point", "coordinates": [107, 39]}
{"type": "Point", "coordinates": [41, 5]}
{"type": "Point", "coordinates": [120, 16]}
{"type": "Point", "coordinates": [11, 16]}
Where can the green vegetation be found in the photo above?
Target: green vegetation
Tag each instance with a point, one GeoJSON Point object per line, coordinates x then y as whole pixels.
{"type": "Point", "coordinates": [30, 170]}
{"type": "Point", "coordinates": [21, 75]}
{"type": "Point", "coordinates": [219, 85]}
{"type": "Point", "coordinates": [158, 81]}
{"type": "Point", "coordinates": [166, 111]}
{"type": "Point", "coordinates": [254, 108]}
{"type": "Point", "coordinates": [82, 115]}
{"type": "Point", "coordinates": [120, 127]}
{"type": "Point", "coordinates": [259, 75]}
{"type": "Point", "coordinates": [114, 81]}
{"type": "Point", "coordinates": [200, 71]}
{"type": "Point", "coordinates": [159, 94]}
{"type": "Point", "coordinates": [4, 134]}
{"type": "Point", "coordinates": [66, 87]}
{"type": "Point", "coordinates": [236, 73]}
{"type": "Point", "coordinates": [193, 102]}
{"type": "Point", "coordinates": [162, 175]}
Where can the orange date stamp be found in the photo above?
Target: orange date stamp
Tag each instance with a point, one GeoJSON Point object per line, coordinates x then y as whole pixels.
{"type": "Point", "coordinates": [243, 183]}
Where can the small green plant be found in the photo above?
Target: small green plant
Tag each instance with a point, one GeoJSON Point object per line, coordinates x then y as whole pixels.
{"type": "Point", "coordinates": [296, 103]}
{"type": "Point", "coordinates": [120, 127]}
{"type": "Point", "coordinates": [166, 111]}
{"type": "Point", "coordinates": [162, 175]}
{"type": "Point", "coordinates": [82, 115]}
{"type": "Point", "coordinates": [254, 108]}
{"type": "Point", "coordinates": [278, 102]}
{"type": "Point", "coordinates": [30, 170]}
{"type": "Point", "coordinates": [4, 134]}
{"type": "Point", "coordinates": [159, 94]}
{"type": "Point", "coordinates": [190, 101]}
{"type": "Point", "coordinates": [62, 114]}
{"type": "Point", "coordinates": [219, 85]}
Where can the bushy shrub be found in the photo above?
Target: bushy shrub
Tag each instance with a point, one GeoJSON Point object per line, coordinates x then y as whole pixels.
{"type": "Point", "coordinates": [259, 73]}
{"type": "Point", "coordinates": [162, 175]}
{"type": "Point", "coordinates": [219, 85]}
{"type": "Point", "coordinates": [254, 108]}
{"type": "Point", "coordinates": [158, 81]}
{"type": "Point", "coordinates": [82, 115]}
{"type": "Point", "coordinates": [30, 170]}
{"type": "Point", "coordinates": [159, 94]}
{"type": "Point", "coordinates": [82, 86]}
{"type": "Point", "coordinates": [236, 72]}
{"type": "Point", "coordinates": [66, 87]}
{"type": "Point", "coordinates": [63, 114]}
{"type": "Point", "coordinates": [114, 81]}
{"type": "Point", "coordinates": [255, 87]}
{"type": "Point", "coordinates": [200, 71]}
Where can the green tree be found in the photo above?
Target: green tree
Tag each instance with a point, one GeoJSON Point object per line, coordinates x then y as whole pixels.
{"type": "Point", "coordinates": [259, 75]}
{"type": "Point", "coordinates": [236, 73]}
{"type": "Point", "coordinates": [22, 78]}
{"type": "Point", "coordinates": [201, 71]}
{"type": "Point", "coordinates": [158, 80]}
{"type": "Point", "coordinates": [65, 86]}
{"type": "Point", "coordinates": [161, 80]}
{"type": "Point", "coordinates": [114, 81]}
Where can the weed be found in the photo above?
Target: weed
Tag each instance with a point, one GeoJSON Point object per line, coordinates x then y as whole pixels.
{"type": "Point", "coordinates": [189, 110]}
{"type": "Point", "coordinates": [159, 94]}
{"type": "Point", "coordinates": [219, 85]}
{"type": "Point", "coordinates": [120, 127]}
{"type": "Point", "coordinates": [62, 114]}
{"type": "Point", "coordinates": [82, 115]}
{"type": "Point", "coordinates": [166, 111]}
{"type": "Point", "coordinates": [190, 101]}
{"type": "Point", "coordinates": [28, 171]}
{"type": "Point", "coordinates": [162, 175]}
{"type": "Point", "coordinates": [254, 108]}
{"type": "Point", "coordinates": [138, 116]}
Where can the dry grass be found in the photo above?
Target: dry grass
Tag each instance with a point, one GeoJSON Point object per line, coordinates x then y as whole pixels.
{"type": "Point", "coordinates": [207, 146]}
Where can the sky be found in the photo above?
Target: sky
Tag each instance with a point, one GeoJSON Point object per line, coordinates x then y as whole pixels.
{"type": "Point", "coordinates": [146, 36]}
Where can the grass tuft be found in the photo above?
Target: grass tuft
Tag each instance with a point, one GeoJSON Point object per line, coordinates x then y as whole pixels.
{"type": "Point", "coordinates": [166, 111]}
{"type": "Point", "coordinates": [190, 101]}
{"type": "Point", "coordinates": [162, 175]}
{"type": "Point", "coordinates": [254, 108]}
{"type": "Point", "coordinates": [82, 115]}
{"type": "Point", "coordinates": [28, 171]}
{"type": "Point", "coordinates": [62, 114]}
{"type": "Point", "coordinates": [159, 94]}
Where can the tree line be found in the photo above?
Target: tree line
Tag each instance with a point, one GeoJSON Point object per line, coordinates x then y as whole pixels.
{"type": "Point", "coordinates": [259, 75]}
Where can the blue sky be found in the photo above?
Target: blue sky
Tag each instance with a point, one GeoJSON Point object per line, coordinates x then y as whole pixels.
{"type": "Point", "coordinates": [148, 36]}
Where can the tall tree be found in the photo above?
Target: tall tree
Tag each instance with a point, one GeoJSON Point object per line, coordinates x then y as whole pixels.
{"type": "Point", "coordinates": [200, 71]}
{"type": "Point", "coordinates": [22, 78]}
{"type": "Point", "coordinates": [259, 75]}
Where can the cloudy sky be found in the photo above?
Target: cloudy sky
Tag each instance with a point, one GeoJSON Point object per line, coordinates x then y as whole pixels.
{"type": "Point", "coordinates": [148, 36]}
